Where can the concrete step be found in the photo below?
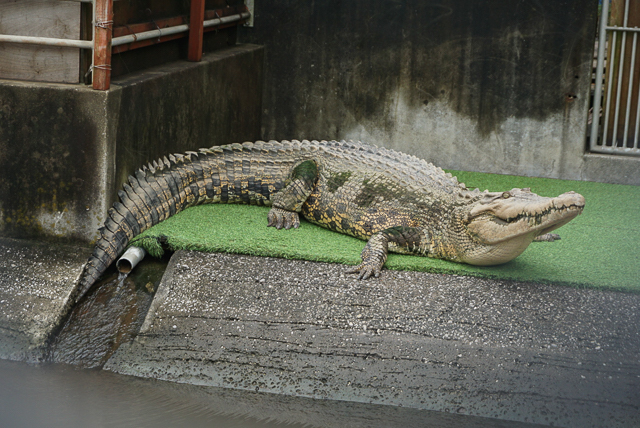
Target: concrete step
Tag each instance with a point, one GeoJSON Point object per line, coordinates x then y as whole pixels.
{"type": "Point", "coordinates": [36, 281]}
{"type": "Point", "coordinates": [514, 351]}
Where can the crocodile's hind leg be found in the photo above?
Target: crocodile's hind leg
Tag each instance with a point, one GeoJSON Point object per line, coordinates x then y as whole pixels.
{"type": "Point", "coordinates": [405, 240]}
{"type": "Point", "coordinates": [287, 203]}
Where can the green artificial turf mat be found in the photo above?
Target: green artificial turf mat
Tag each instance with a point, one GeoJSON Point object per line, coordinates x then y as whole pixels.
{"type": "Point", "coordinates": [598, 249]}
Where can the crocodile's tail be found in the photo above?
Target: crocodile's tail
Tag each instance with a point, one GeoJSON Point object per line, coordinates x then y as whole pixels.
{"type": "Point", "coordinates": [223, 174]}
{"type": "Point", "coordinates": [110, 244]}
{"type": "Point", "coordinates": [158, 191]}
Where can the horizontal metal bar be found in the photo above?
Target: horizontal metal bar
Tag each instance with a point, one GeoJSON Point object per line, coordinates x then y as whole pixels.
{"type": "Point", "coordinates": [146, 35]}
{"type": "Point", "coordinates": [616, 28]}
{"type": "Point", "coordinates": [48, 41]}
{"type": "Point", "coordinates": [226, 19]}
{"type": "Point", "coordinates": [117, 41]}
{"type": "Point", "coordinates": [629, 151]}
{"type": "Point", "coordinates": [152, 34]}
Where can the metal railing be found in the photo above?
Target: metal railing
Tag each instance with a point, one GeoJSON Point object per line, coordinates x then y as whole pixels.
{"type": "Point", "coordinates": [103, 42]}
{"type": "Point", "coordinates": [615, 126]}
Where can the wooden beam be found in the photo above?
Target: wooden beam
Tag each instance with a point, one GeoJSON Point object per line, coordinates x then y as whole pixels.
{"type": "Point", "coordinates": [102, 45]}
{"type": "Point", "coordinates": [196, 30]}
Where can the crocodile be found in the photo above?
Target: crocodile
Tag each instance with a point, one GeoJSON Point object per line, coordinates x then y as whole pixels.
{"type": "Point", "coordinates": [394, 201]}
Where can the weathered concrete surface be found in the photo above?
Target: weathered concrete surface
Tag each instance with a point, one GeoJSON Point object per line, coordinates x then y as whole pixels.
{"type": "Point", "coordinates": [65, 150]}
{"type": "Point", "coordinates": [36, 280]}
{"type": "Point", "coordinates": [514, 351]}
{"type": "Point", "coordinates": [501, 88]}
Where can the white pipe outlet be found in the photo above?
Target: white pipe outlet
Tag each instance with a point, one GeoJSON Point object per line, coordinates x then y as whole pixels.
{"type": "Point", "coordinates": [130, 259]}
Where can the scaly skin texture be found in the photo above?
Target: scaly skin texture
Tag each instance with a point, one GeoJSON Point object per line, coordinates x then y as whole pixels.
{"type": "Point", "coordinates": [397, 202]}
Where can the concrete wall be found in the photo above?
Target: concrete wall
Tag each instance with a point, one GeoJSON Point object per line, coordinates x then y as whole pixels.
{"type": "Point", "coordinates": [66, 149]}
{"type": "Point", "coordinates": [496, 86]}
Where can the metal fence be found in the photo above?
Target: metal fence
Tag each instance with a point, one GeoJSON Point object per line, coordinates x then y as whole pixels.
{"type": "Point", "coordinates": [615, 124]}
{"type": "Point", "coordinates": [103, 41]}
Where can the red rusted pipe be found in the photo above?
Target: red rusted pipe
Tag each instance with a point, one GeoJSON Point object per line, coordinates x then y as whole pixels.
{"type": "Point", "coordinates": [196, 30]}
{"type": "Point", "coordinates": [102, 45]}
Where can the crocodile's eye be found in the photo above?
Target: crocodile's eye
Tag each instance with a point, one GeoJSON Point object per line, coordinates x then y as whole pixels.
{"type": "Point", "coordinates": [506, 195]}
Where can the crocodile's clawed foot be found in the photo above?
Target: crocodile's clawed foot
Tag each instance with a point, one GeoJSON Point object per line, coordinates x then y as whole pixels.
{"type": "Point", "coordinates": [366, 270]}
{"type": "Point", "coordinates": [547, 237]}
{"type": "Point", "coordinates": [280, 218]}
{"type": "Point", "coordinates": [373, 257]}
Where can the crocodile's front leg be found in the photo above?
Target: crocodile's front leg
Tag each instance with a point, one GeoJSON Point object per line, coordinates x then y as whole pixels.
{"type": "Point", "coordinates": [287, 203]}
{"type": "Point", "coordinates": [374, 254]}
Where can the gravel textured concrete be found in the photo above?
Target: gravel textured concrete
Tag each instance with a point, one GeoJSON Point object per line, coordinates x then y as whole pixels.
{"type": "Point", "coordinates": [36, 280]}
{"type": "Point", "coordinates": [513, 351]}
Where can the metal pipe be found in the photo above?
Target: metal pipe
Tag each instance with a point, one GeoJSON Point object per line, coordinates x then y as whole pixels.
{"type": "Point", "coordinates": [82, 44]}
{"type": "Point", "coordinates": [196, 29]}
{"type": "Point", "coordinates": [226, 19]}
{"type": "Point", "coordinates": [93, 34]}
{"type": "Point", "coordinates": [607, 108]}
{"type": "Point", "coordinates": [617, 28]}
{"type": "Point", "coordinates": [597, 101]}
{"type": "Point", "coordinates": [629, 92]}
{"type": "Point", "coordinates": [635, 138]}
{"type": "Point", "coordinates": [146, 35]}
{"type": "Point", "coordinates": [103, 28]}
{"type": "Point", "coordinates": [122, 40]}
{"type": "Point", "coordinates": [130, 259]}
{"type": "Point", "coordinates": [152, 34]}
{"type": "Point", "coordinates": [628, 151]}
{"type": "Point", "coordinates": [623, 48]}
{"type": "Point", "coordinates": [626, 13]}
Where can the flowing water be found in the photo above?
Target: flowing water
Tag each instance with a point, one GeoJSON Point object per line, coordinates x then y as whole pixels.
{"type": "Point", "coordinates": [109, 315]}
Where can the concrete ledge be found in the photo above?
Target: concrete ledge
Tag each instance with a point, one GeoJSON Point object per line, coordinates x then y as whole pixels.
{"type": "Point", "coordinates": [65, 150]}
{"type": "Point", "coordinates": [36, 280]}
{"type": "Point", "coordinates": [611, 168]}
{"type": "Point", "coordinates": [513, 351]}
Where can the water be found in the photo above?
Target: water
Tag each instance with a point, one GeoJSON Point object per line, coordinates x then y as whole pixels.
{"type": "Point", "coordinates": [56, 395]}
{"type": "Point", "coordinates": [109, 315]}
{"type": "Point", "coordinates": [59, 395]}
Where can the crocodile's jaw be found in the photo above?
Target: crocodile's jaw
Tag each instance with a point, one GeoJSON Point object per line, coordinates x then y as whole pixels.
{"type": "Point", "coordinates": [501, 225]}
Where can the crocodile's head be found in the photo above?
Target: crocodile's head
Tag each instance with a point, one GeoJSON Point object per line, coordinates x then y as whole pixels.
{"type": "Point", "coordinates": [502, 224]}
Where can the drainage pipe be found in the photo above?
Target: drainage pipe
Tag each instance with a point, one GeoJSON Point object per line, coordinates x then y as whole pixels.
{"type": "Point", "coordinates": [130, 259]}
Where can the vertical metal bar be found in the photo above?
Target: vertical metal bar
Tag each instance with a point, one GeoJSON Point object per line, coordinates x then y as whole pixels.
{"type": "Point", "coordinates": [629, 92]}
{"type": "Point", "coordinates": [623, 46]}
{"type": "Point", "coordinates": [597, 95]}
{"type": "Point", "coordinates": [610, 67]}
{"type": "Point", "coordinates": [635, 138]}
{"type": "Point", "coordinates": [102, 45]}
{"type": "Point", "coordinates": [626, 13]}
{"type": "Point", "coordinates": [196, 30]}
{"type": "Point", "coordinates": [93, 37]}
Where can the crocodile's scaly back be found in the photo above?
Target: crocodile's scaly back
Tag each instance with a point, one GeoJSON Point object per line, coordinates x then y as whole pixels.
{"type": "Point", "coordinates": [402, 203]}
{"type": "Point", "coordinates": [238, 173]}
